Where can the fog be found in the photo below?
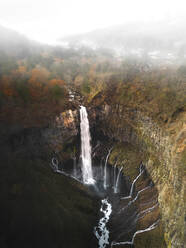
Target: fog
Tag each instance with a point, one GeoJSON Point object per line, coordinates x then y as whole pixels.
{"type": "Point", "coordinates": [146, 29]}
{"type": "Point", "coordinates": [156, 40]}
{"type": "Point", "coordinates": [47, 20]}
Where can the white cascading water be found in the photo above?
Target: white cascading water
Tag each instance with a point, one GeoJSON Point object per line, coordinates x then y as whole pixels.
{"type": "Point", "coordinates": [101, 231]}
{"type": "Point", "coordinates": [85, 147]}
{"type": "Point", "coordinates": [151, 227]}
{"type": "Point", "coordinates": [105, 170]}
{"type": "Point", "coordinates": [132, 186]}
{"type": "Point", "coordinates": [117, 181]}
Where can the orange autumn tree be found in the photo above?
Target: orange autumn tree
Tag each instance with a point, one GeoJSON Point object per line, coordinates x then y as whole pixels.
{"type": "Point", "coordinates": [39, 78]}
{"type": "Point", "coordinates": [56, 88]}
{"type": "Point", "coordinates": [7, 87]}
{"type": "Point", "coordinates": [20, 73]}
{"type": "Point", "coordinates": [56, 81]}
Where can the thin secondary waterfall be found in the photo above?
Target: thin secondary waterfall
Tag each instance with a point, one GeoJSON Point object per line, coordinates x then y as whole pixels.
{"type": "Point", "coordinates": [110, 234]}
{"type": "Point", "coordinates": [132, 201]}
{"type": "Point", "coordinates": [132, 186]}
{"type": "Point", "coordinates": [114, 183]}
{"type": "Point", "coordinates": [85, 147]}
{"type": "Point", "coordinates": [117, 181]}
{"type": "Point", "coordinates": [151, 227]}
{"type": "Point", "coordinates": [55, 164]}
{"type": "Point", "coordinates": [105, 170]}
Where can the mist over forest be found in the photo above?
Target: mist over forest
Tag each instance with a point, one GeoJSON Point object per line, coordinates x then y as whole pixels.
{"type": "Point", "coordinates": [153, 42]}
{"type": "Point", "coordinates": [159, 40]}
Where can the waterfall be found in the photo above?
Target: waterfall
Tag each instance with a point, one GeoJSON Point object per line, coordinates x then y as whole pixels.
{"type": "Point", "coordinates": [114, 179]}
{"type": "Point", "coordinates": [112, 205]}
{"type": "Point", "coordinates": [132, 186]}
{"type": "Point", "coordinates": [85, 147]}
{"type": "Point", "coordinates": [54, 164]}
{"type": "Point", "coordinates": [101, 231]}
{"type": "Point", "coordinates": [146, 211]}
{"type": "Point", "coordinates": [151, 227]}
{"type": "Point", "coordinates": [105, 170]}
{"type": "Point", "coordinates": [117, 182]}
{"type": "Point", "coordinates": [132, 201]}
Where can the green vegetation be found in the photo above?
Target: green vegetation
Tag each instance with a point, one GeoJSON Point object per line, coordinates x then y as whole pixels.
{"type": "Point", "coordinates": [128, 156]}
{"type": "Point", "coordinates": [57, 92]}
{"type": "Point", "coordinates": [153, 238]}
{"type": "Point", "coordinates": [45, 77]}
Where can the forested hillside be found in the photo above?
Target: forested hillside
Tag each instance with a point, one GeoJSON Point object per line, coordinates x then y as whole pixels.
{"type": "Point", "coordinates": [34, 79]}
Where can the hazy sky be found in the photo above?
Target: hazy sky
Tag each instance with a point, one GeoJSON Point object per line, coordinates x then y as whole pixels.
{"type": "Point", "coordinates": [47, 20]}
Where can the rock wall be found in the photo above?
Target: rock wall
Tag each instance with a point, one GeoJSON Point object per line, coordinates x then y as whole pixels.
{"type": "Point", "coordinates": [163, 149]}
{"type": "Point", "coordinates": [165, 167]}
{"type": "Point", "coordinates": [63, 130]}
{"type": "Point", "coordinates": [165, 158]}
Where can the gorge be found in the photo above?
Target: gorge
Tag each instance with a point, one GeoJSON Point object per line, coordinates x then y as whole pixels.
{"type": "Point", "coordinates": [109, 184]}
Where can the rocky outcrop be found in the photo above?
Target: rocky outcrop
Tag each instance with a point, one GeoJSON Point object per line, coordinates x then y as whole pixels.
{"type": "Point", "coordinates": [165, 166]}
{"type": "Point", "coordinates": [39, 141]}
{"type": "Point", "coordinates": [63, 130]}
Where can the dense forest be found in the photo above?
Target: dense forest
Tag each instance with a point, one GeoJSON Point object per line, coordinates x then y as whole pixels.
{"type": "Point", "coordinates": [34, 78]}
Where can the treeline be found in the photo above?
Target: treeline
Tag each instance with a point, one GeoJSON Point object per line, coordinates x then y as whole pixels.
{"type": "Point", "coordinates": [42, 80]}
{"type": "Point", "coordinates": [38, 84]}
{"type": "Point", "coordinates": [159, 91]}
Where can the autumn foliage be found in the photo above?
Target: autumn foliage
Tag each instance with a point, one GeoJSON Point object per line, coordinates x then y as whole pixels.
{"type": "Point", "coordinates": [38, 83]}
{"type": "Point", "coordinates": [26, 93]}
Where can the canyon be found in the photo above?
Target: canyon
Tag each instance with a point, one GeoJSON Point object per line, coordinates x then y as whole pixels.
{"type": "Point", "coordinates": [134, 138]}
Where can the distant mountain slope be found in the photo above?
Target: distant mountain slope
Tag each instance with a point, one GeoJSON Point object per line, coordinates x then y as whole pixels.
{"type": "Point", "coordinates": [137, 38]}
{"type": "Point", "coordinates": [14, 44]}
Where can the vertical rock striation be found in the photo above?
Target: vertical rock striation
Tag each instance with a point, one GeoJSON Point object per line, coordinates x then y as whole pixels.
{"type": "Point", "coordinates": [165, 158]}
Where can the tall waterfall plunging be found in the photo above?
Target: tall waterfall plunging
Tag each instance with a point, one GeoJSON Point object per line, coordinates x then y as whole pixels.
{"type": "Point", "coordinates": [85, 147]}
{"type": "Point", "coordinates": [117, 196]}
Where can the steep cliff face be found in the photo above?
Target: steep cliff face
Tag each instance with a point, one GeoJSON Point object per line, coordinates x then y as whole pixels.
{"type": "Point", "coordinates": [163, 150]}
{"type": "Point", "coordinates": [61, 135]}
